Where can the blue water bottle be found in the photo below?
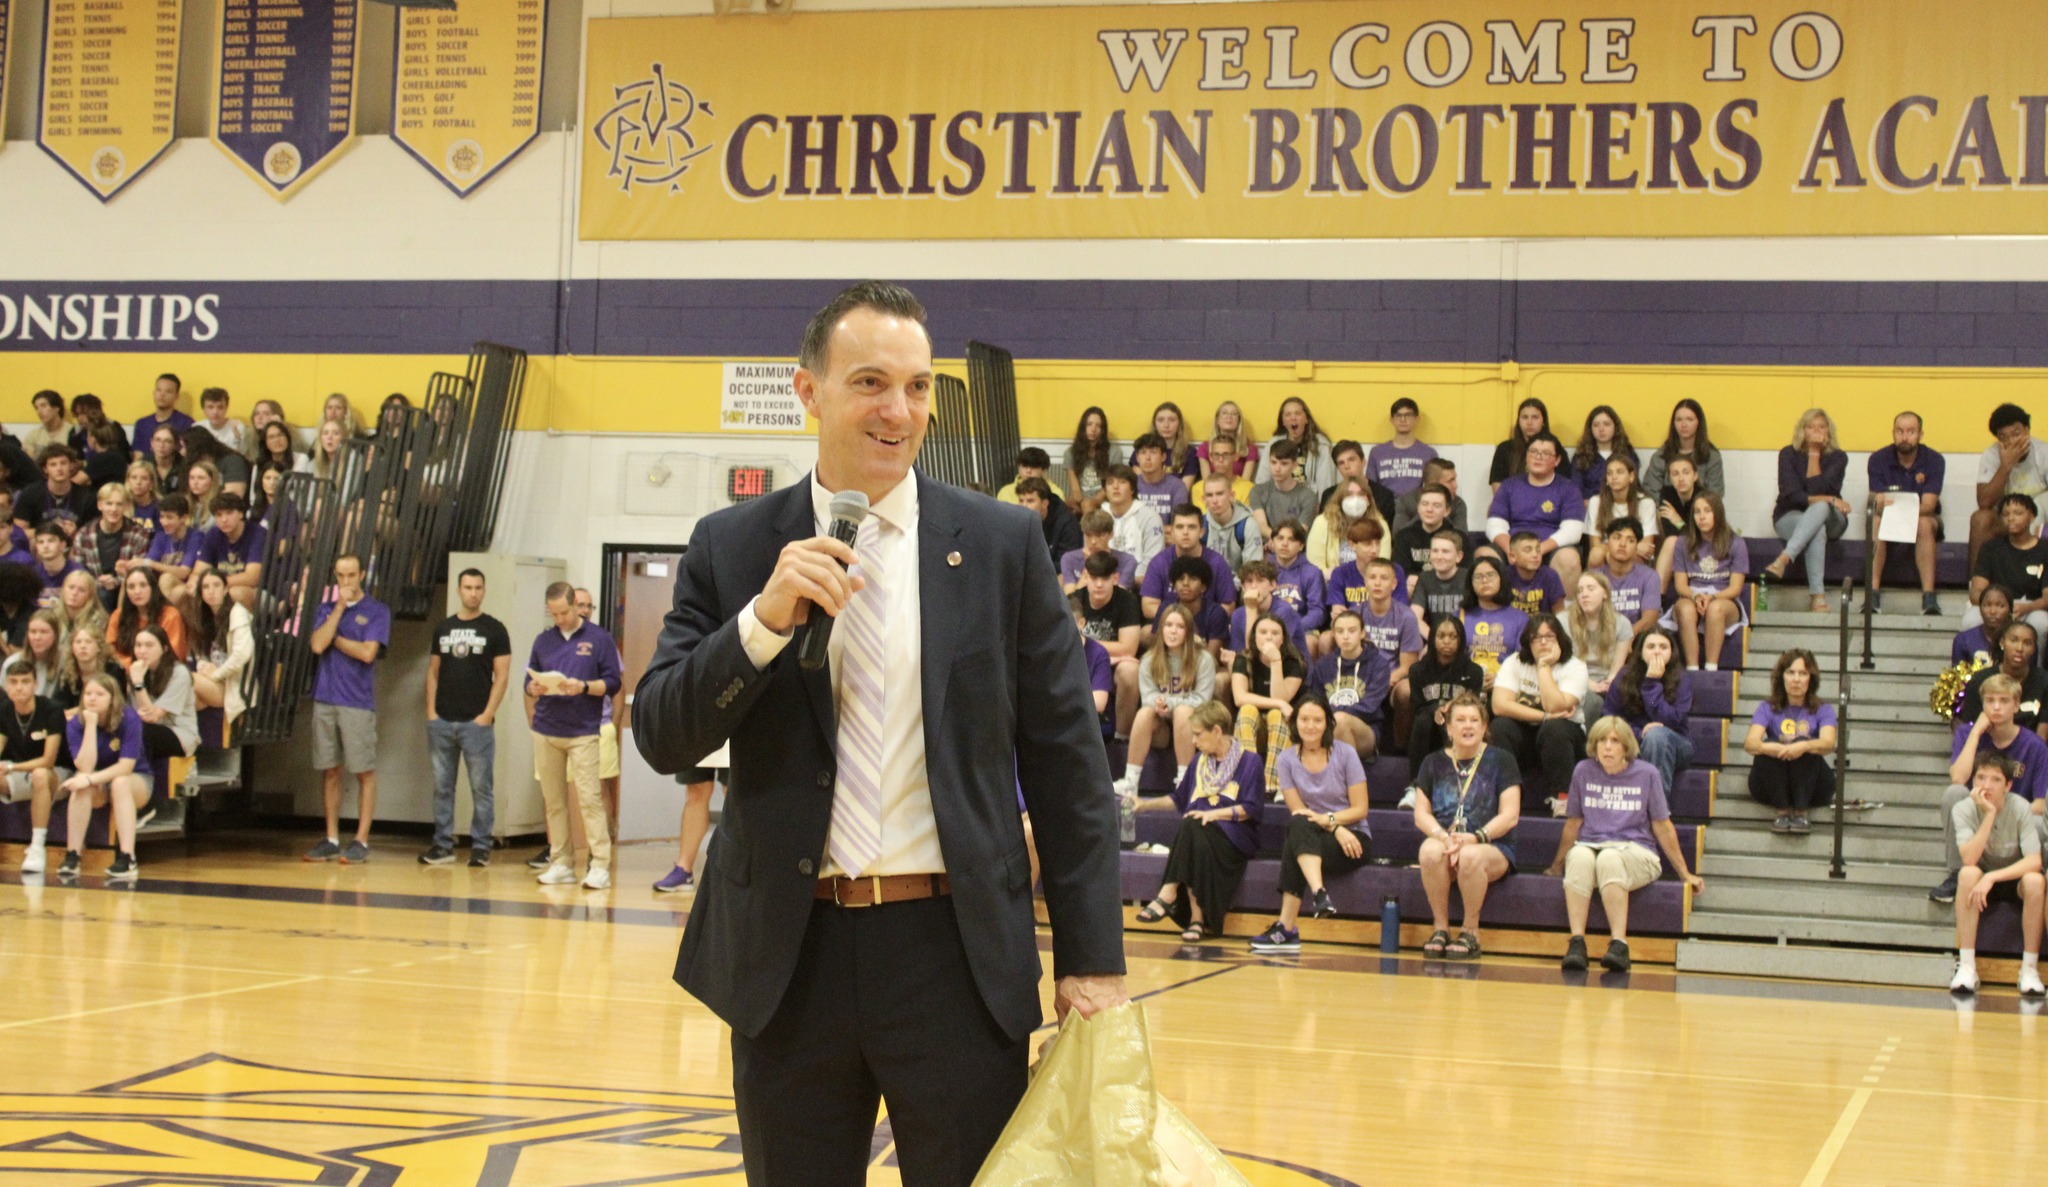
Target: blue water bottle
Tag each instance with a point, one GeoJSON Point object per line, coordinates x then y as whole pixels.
{"type": "Point", "coordinates": [1390, 923]}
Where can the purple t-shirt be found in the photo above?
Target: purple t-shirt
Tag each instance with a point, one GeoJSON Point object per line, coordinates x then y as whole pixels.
{"type": "Point", "coordinates": [345, 680]}
{"type": "Point", "coordinates": [1539, 509]}
{"type": "Point", "coordinates": [1637, 594]}
{"type": "Point", "coordinates": [1100, 679]}
{"type": "Point", "coordinates": [54, 580]}
{"type": "Point", "coordinates": [1346, 588]}
{"type": "Point", "coordinates": [1394, 632]}
{"type": "Point", "coordinates": [1616, 807]}
{"type": "Point", "coordinates": [1972, 645]}
{"type": "Point", "coordinates": [146, 427]}
{"type": "Point", "coordinates": [1535, 595]}
{"type": "Point", "coordinates": [2026, 748]}
{"type": "Point", "coordinates": [1354, 686]}
{"type": "Point", "coordinates": [1327, 790]}
{"type": "Point", "coordinates": [18, 556]}
{"type": "Point", "coordinates": [1245, 784]}
{"type": "Point", "coordinates": [1280, 610]}
{"type": "Point", "coordinates": [589, 654]}
{"type": "Point", "coordinates": [1398, 468]}
{"type": "Point", "coordinates": [230, 556]}
{"type": "Point", "coordinates": [1709, 573]}
{"type": "Point", "coordinates": [123, 741]}
{"type": "Point", "coordinates": [1163, 496]}
{"type": "Point", "coordinates": [182, 553]}
{"type": "Point", "coordinates": [1793, 723]}
{"type": "Point", "coordinates": [1222, 587]}
{"type": "Point", "coordinates": [1493, 635]}
{"type": "Point", "coordinates": [1126, 567]}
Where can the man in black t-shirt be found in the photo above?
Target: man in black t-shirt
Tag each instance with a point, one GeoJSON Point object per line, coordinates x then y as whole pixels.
{"type": "Point", "coordinates": [31, 728]}
{"type": "Point", "coordinates": [467, 674]}
{"type": "Point", "coordinates": [2018, 560]}
{"type": "Point", "coordinates": [1112, 616]}
{"type": "Point", "coordinates": [58, 498]}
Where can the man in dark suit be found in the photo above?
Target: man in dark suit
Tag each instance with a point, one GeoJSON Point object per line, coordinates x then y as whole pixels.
{"type": "Point", "coordinates": [865, 923]}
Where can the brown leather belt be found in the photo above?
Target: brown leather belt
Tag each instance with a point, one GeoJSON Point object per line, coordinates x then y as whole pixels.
{"type": "Point", "coordinates": [875, 890]}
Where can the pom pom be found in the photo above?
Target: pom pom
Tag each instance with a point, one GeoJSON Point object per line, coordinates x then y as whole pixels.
{"type": "Point", "coordinates": [1946, 697]}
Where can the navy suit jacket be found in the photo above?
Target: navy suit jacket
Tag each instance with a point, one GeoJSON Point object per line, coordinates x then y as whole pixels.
{"type": "Point", "coordinates": [1006, 704]}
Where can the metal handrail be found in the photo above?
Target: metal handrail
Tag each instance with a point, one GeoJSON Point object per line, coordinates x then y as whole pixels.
{"type": "Point", "coordinates": [1870, 586]}
{"type": "Point", "coordinates": [1835, 868]}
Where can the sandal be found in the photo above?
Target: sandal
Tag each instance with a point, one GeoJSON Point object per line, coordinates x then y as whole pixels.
{"type": "Point", "coordinates": [1465, 947]}
{"type": "Point", "coordinates": [1817, 604]}
{"type": "Point", "coordinates": [1154, 911]}
{"type": "Point", "coordinates": [1194, 934]}
{"type": "Point", "coordinates": [1436, 943]}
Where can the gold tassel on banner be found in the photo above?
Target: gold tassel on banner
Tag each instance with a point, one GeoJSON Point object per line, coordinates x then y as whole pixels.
{"type": "Point", "coordinates": [1947, 694]}
{"type": "Point", "coordinates": [1092, 1118]}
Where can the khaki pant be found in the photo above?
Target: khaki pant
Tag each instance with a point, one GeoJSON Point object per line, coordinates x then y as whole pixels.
{"type": "Point", "coordinates": [559, 761]}
{"type": "Point", "coordinates": [1619, 863]}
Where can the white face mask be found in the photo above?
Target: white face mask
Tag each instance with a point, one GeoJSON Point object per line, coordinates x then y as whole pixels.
{"type": "Point", "coordinates": [1354, 505]}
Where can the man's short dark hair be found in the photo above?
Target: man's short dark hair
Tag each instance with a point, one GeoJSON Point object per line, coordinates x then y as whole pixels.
{"type": "Point", "coordinates": [1341, 448]}
{"type": "Point", "coordinates": [1292, 527]}
{"type": "Point", "coordinates": [1100, 564]}
{"type": "Point", "coordinates": [1284, 450]}
{"type": "Point", "coordinates": [1434, 488]}
{"type": "Point", "coordinates": [230, 501]}
{"type": "Point", "coordinates": [1148, 441]}
{"type": "Point", "coordinates": [214, 395]}
{"type": "Point", "coordinates": [55, 450]}
{"type": "Point", "coordinates": [2027, 501]}
{"type": "Point", "coordinates": [46, 396]}
{"type": "Point", "coordinates": [1622, 524]}
{"type": "Point", "coordinates": [175, 381]}
{"type": "Point", "coordinates": [350, 556]}
{"type": "Point", "coordinates": [1257, 571]}
{"type": "Point", "coordinates": [1189, 566]}
{"type": "Point", "coordinates": [2009, 414]}
{"type": "Point", "coordinates": [1184, 511]}
{"type": "Point", "coordinates": [1524, 537]}
{"type": "Point", "coordinates": [174, 504]}
{"type": "Point", "coordinates": [50, 527]}
{"type": "Point", "coordinates": [1993, 760]}
{"type": "Point", "coordinates": [1033, 456]}
{"type": "Point", "coordinates": [1555, 445]}
{"type": "Point", "coordinates": [468, 573]}
{"type": "Point", "coordinates": [879, 295]}
{"type": "Point", "coordinates": [1438, 465]}
{"type": "Point", "coordinates": [1121, 473]}
{"type": "Point", "coordinates": [201, 445]}
{"type": "Point", "coordinates": [559, 591]}
{"type": "Point", "coordinates": [1037, 488]}
{"type": "Point", "coordinates": [19, 666]}
{"type": "Point", "coordinates": [1403, 402]}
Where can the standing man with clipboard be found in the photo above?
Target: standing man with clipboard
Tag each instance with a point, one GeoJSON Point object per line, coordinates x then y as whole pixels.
{"type": "Point", "coordinates": [864, 922]}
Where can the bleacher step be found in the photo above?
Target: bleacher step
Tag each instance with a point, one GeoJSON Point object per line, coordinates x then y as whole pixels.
{"type": "Point", "coordinates": [1824, 899]}
{"type": "Point", "coordinates": [1729, 838]}
{"type": "Point", "coordinates": [1862, 966]}
{"type": "Point", "coordinates": [1864, 932]}
{"type": "Point", "coordinates": [1930, 764]}
{"type": "Point", "coordinates": [1894, 818]}
{"type": "Point", "coordinates": [168, 821]}
{"type": "Point", "coordinates": [1799, 868]}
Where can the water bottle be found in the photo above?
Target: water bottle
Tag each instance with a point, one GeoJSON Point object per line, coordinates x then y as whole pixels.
{"type": "Point", "coordinates": [1127, 818]}
{"type": "Point", "coordinates": [1390, 923]}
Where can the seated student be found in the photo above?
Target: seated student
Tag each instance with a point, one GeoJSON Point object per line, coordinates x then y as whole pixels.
{"type": "Point", "coordinates": [1789, 735]}
{"type": "Point", "coordinates": [78, 604]}
{"type": "Point", "coordinates": [1616, 803]}
{"type": "Point", "coordinates": [1444, 671]}
{"type": "Point", "coordinates": [1510, 457]}
{"type": "Point", "coordinates": [1810, 510]}
{"type": "Point", "coordinates": [144, 605]}
{"type": "Point", "coordinates": [1397, 463]}
{"type": "Point", "coordinates": [1284, 496]}
{"type": "Point", "coordinates": [1976, 644]}
{"type": "Point", "coordinates": [202, 446]}
{"type": "Point", "coordinates": [1620, 497]}
{"type": "Point", "coordinates": [2016, 654]}
{"type": "Point", "coordinates": [1172, 429]}
{"type": "Point", "coordinates": [1228, 527]}
{"type": "Point", "coordinates": [1632, 585]}
{"type": "Point", "coordinates": [1686, 438]}
{"type": "Point", "coordinates": [1101, 681]}
{"type": "Point", "coordinates": [1468, 799]}
{"type": "Point", "coordinates": [1323, 781]}
{"type": "Point", "coordinates": [1298, 425]}
{"type": "Point", "coordinates": [2018, 561]}
{"type": "Point", "coordinates": [102, 545]}
{"type": "Point", "coordinates": [1654, 697]}
{"type": "Point", "coordinates": [1219, 799]}
{"type": "Point", "coordinates": [1392, 630]}
{"type": "Point", "coordinates": [1032, 462]}
{"type": "Point", "coordinates": [1993, 732]}
{"type": "Point", "coordinates": [161, 690]}
{"type": "Point", "coordinates": [42, 648]}
{"type": "Point", "coordinates": [105, 741]}
{"type": "Point", "coordinates": [1410, 549]}
{"type": "Point", "coordinates": [53, 558]}
{"type": "Point", "coordinates": [2001, 855]}
{"type": "Point", "coordinates": [1346, 586]}
{"type": "Point", "coordinates": [1055, 519]}
{"type": "Point", "coordinates": [58, 498]}
{"type": "Point", "coordinates": [1185, 540]}
{"type": "Point", "coordinates": [142, 494]}
{"type": "Point", "coordinates": [1910, 470]}
{"type": "Point", "coordinates": [1602, 439]}
{"type": "Point", "coordinates": [16, 549]}
{"type": "Point", "coordinates": [29, 738]}
{"type": "Point", "coordinates": [1189, 579]}
{"type": "Point", "coordinates": [1157, 487]}
{"type": "Point", "coordinates": [1533, 587]}
{"type": "Point", "coordinates": [85, 654]}
{"type": "Point", "coordinates": [1241, 460]}
{"type": "Point", "coordinates": [1329, 536]}
{"type": "Point", "coordinates": [1259, 590]}
{"type": "Point", "coordinates": [174, 550]}
{"type": "Point", "coordinates": [1263, 683]}
{"type": "Point", "coordinates": [1439, 591]}
{"type": "Point", "coordinates": [222, 645]}
{"type": "Point", "coordinates": [1351, 679]}
{"type": "Point", "coordinates": [233, 546]}
{"type": "Point", "coordinates": [1493, 629]}
{"type": "Point", "coordinates": [1112, 618]}
{"type": "Point", "coordinates": [1349, 458]}
{"type": "Point", "coordinates": [1177, 676]}
{"type": "Point", "coordinates": [1135, 528]}
{"type": "Point", "coordinates": [1543, 503]}
{"type": "Point", "coordinates": [1707, 571]}
{"type": "Point", "coordinates": [1674, 513]}
{"type": "Point", "coordinates": [1300, 584]}
{"type": "Point", "coordinates": [1220, 457]}
{"type": "Point", "coordinates": [1536, 701]}
{"type": "Point", "coordinates": [1088, 460]}
{"type": "Point", "coordinates": [1442, 472]}
{"type": "Point", "coordinates": [104, 456]}
{"type": "Point", "coordinates": [1096, 527]}
{"type": "Point", "coordinates": [2016, 462]}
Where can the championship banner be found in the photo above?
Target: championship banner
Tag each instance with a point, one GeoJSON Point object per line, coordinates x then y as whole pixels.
{"type": "Point", "coordinates": [1305, 120]}
{"type": "Point", "coordinates": [286, 102]}
{"type": "Point", "coordinates": [110, 87]}
{"type": "Point", "coordinates": [467, 87]}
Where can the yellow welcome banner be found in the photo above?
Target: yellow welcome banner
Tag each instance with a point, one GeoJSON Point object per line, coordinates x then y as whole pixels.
{"type": "Point", "coordinates": [1311, 120]}
{"type": "Point", "coordinates": [110, 87]}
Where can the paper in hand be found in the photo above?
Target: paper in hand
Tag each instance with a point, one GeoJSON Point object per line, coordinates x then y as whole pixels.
{"type": "Point", "coordinates": [1900, 521]}
{"type": "Point", "coordinates": [547, 683]}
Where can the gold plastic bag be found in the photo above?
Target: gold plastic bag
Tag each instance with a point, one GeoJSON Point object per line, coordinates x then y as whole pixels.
{"type": "Point", "coordinates": [1092, 1118]}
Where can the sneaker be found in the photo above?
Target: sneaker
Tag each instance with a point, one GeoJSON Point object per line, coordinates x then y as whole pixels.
{"type": "Point", "coordinates": [1320, 906]}
{"type": "Point", "coordinates": [73, 862]}
{"type": "Point", "coordinates": [599, 878]}
{"type": "Point", "coordinates": [479, 858]}
{"type": "Point", "coordinates": [2030, 983]}
{"type": "Point", "coordinates": [33, 860]}
{"type": "Point", "coordinates": [438, 855]}
{"type": "Point", "coordinates": [1800, 824]}
{"type": "Point", "coordinates": [1946, 892]}
{"type": "Point", "coordinates": [357, 853]}
{"type": "Point", "coordinates": [541, 860]}
{"type": "Point", "coordinates": [558, 874]}
{"type": "Point", "coordinates": [124, 869]}
{"type": "Point", "coordinates": [1782, 825]}
{"type": "Point", "coordinates": [1965, 980]}
{"type": "Point", "coordinates": [1617, 956]}
{"type": "Point", "coordinates": [676, 879]}
{"type": "Point", "coordinates": [325, 851]}
{"type": "Point", "coordinates": [1127, 787]}
{"type": "Point", "coordinates": [1277, 939]}
{"type": "Point", "coordinates": [1575, 955]}
{"type": "Point", "coordinates": [1930, 605]}
{"type": "Point", "coordinates": [1874, 602]}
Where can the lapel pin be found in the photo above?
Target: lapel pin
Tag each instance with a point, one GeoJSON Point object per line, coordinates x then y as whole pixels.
{"type": "Point", "coordinates": [953, 559]}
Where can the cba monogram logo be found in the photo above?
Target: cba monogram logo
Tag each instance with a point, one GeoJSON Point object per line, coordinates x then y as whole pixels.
{"type": "Point", "coordinates": [647, 132]}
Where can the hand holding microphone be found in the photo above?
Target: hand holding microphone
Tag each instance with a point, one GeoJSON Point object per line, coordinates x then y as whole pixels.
{"type": "Point", "coordinates": [812, 573]}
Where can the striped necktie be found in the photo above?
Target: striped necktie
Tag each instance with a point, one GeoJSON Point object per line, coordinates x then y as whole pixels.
{"type": "Point", "coordinates": [856, 837]}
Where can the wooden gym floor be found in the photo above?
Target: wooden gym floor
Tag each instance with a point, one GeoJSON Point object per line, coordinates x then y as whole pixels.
{"type": "Point", "coordinates": [241, 1017]}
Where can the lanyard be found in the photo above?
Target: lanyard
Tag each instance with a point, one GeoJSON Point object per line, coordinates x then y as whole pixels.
{"type": "Point", "coordinates": [1464, 788]}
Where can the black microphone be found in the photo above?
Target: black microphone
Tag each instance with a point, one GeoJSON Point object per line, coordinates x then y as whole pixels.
{"type": "Point", "coordinates": [849, 508]}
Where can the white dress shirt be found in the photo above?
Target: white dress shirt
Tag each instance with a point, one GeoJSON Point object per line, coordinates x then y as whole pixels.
{"type": "Point", "coordinates": [910, 833]}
